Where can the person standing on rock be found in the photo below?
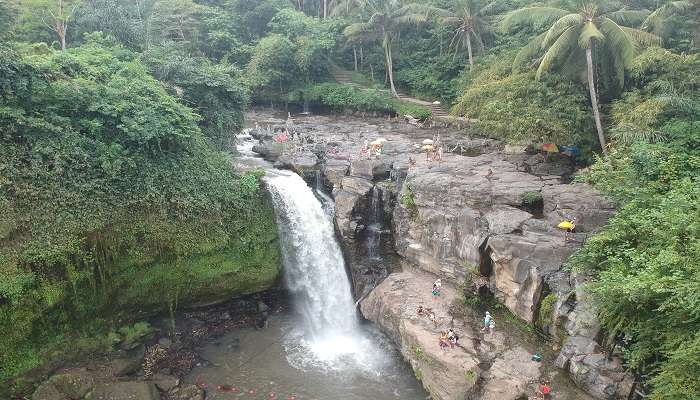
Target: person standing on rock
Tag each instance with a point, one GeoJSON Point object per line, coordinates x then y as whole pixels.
{"type": "Point", "coordinates": [544, 390]}
{"type": "Point", "coordinates": [431, 317]}
{"type": "Point", "coordinates": [487, 323]}
{"type": "Point", "coordinates": [437, 286]}
{"type": "Point", "coordinates": [452, 337]}
{"type": "Point", "coordinates": [443, 340]}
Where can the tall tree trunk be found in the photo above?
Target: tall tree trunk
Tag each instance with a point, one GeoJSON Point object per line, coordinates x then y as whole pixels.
{"type": "Point", "coordinates": [354, 55]}
{"type": "Point", "coordinates": [469, 50]}
{"type": "Point", "coordinates": [594, 98]}
{"type": "Point", "coordinates": [325, 9]}
{"type": "Point", "coordinates": [390, 67]}
{"type": "Point", "coordinates": [61, 25]}
{"type": "Point", "coordinates": [362, 59]}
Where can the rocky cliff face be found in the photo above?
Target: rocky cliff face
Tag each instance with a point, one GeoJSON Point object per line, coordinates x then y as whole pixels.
{"type": "Point", "coordinates": [482, 219]}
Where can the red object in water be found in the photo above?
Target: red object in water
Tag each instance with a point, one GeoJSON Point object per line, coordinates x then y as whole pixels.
{"type": "Point", "coordinates": [272, 395]}
{"type": "Point", "coordinates": [291, 397]}
{"type": "Point", "coordinates": [252, 391]}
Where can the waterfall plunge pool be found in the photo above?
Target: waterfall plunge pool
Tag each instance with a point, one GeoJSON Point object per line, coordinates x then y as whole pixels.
{"type": "Point", "coordinates": [280, 362]}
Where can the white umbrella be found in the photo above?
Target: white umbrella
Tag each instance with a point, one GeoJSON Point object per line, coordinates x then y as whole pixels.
{"type": "Point", "coordinates": [428, 141]}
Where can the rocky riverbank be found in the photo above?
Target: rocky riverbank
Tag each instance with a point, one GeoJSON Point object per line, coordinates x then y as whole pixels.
{"type": "Point", "coordinates": [151, 364]}
{"type": "Point", "coordinates": [484, 219]}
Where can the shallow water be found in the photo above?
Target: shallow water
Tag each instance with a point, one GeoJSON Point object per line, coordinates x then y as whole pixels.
{"type": "Point", "coordinates": [278, 363]}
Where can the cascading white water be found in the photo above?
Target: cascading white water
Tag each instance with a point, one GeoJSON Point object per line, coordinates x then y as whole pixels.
{"type": "Point", "coordinates": [314, 265]}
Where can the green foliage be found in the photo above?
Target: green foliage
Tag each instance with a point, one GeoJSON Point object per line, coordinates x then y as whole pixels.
{"type": "Point", "coordinates": [646, 260]}
{"type": "Point", "coordinates": [546, 309]}
{"type": "Point", "coordinates": [272, 64]}
{"type": "Point", "coordinates": [520, 109]}
{"type": "Point", "coordinates": [217, 91]}
{"type": "Point", "coordinates": [408, 199]}
{"type": "Point", "coordinates": [531, 198]}
{"type": "Point", "coordinates": [343, 97]}
{"type": "Point", "coordinates": [131, 335]}
{"type": "Point", "coordinates": [112, 201]}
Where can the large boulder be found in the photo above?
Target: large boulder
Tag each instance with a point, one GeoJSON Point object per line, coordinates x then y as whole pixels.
{"type": "Point", "coordinates": [369, 169]}
{"type": "Point", "coordinates": [481, 367]}
{"type": "Point", "coordinates": [68, 385]}
{"type": "Point", "coordinates": [593, 371]}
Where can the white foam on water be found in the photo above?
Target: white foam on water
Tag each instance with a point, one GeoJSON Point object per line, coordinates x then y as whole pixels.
{"type": "Point", "coordinates": [331, 338]}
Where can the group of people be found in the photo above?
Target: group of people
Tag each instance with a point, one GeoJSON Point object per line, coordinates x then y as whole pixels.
{"type": "Point", "coordinates": [448, 338]}
{"type": "Point", "coordinates": [428, 312]}
{"type": "Point", "coordinates": [372, 149]}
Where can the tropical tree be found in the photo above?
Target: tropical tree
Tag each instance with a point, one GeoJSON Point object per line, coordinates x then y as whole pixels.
{"type": "Point", "coordinates": [470, 15]}
{"type": "Point", "coordinates": [657, 22]}
{"type": "Point", "coordinates": [572, 33]}
{"type": "Point", "coordinates": [384, 20]}
{"type": "Point", "coordinates": [55, 15]}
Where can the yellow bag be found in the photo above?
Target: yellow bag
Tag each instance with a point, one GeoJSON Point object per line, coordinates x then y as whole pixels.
{"type": "Point", "coordinates": [565, 225]}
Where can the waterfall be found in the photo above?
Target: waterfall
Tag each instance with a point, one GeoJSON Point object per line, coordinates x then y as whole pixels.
{"type": "Point", "coordinates": [374, 229]}
{"type": "Point", "coordinates": [314, 265]}
{"type": "Point", "coordinates": [326, 201]}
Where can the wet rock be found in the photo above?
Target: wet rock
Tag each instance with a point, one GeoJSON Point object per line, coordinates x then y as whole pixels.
{"type": "Point", "coordinates": [591, 209]}
{"type": "Point", "coordinates": [335, 170]}
{"type": "Point", "coordinates": [603, 378]}
{"type": "Point", "coordinates": [482, 366]}
{"type": "Point", "coordinates": [69, 385]}
{"type": "Point", "coordinates": [124, 391]}
{"type": "Point", "coordinates": [358, 186]}
{"type": "Point", "coordinates": [298, 163]}
{"type": "Point", "coordinates": [345, 202]}
{"type": "Point", "coordinates": [369, 169]}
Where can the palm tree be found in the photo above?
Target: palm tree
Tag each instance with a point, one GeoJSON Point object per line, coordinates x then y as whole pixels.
{"type": "Point", "coordinates": [581, 31]}
{"type": "Point", "coordinates": [657, 21]}
{"type": "Point", "coordinates": [470, 15]}
{"type": "Point", "coordinates": [385, 19]}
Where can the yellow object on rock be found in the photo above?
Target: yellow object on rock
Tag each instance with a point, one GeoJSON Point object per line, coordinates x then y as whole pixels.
{"type": "Point", "coordinates": [565, 225]}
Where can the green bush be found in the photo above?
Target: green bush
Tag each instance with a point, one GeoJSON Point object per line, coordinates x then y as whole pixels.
{"type": "Point", "coordinates": [343, 97]}
{"type": "Point", "coordinates": [112, 203]}
{"type": "Point", "coordinates": [531, 198]}
{"type": "Point", "coordinates": [520, 109]}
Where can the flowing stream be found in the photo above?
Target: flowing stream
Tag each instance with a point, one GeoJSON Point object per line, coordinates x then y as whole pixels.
{"type": "Point", "coordinates": [320, 350]}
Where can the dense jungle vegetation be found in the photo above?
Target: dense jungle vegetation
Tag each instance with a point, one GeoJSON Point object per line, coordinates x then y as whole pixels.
{"type": "Point", "coordinates": [117, 192]}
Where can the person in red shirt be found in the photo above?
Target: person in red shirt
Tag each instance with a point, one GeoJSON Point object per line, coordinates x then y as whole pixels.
{"type": "Point", "coordinates": [544, 390]}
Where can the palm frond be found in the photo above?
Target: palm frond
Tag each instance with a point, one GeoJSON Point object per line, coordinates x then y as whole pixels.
{"type": "Point", "coordinates": [358, 29]}
{"type": "Point", "coordinates": [628, 17]}
{"type": "Point", "coordinates": [665, 11]}
{"type": "Point", "coordinates": [528, 52]}
{"type": "Point", "coordinates": [411, 19]}
{"type": "Point", "coordinates": [531, 16]}
{"type": "Point", "coordinates": [559, 27]}
{"type": "Point", "coordinates": [491, 8]}
{"type": "Point", "coordinates": [559, 49]}
{"type": "Point", "coordinates": [620, 45]}
{"type": "Point", "coordinates": [630, 133]}
{"type": "Point", "coordinates": [589, 32]}
{"type": "Point", "coordinates": [642, 38]}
